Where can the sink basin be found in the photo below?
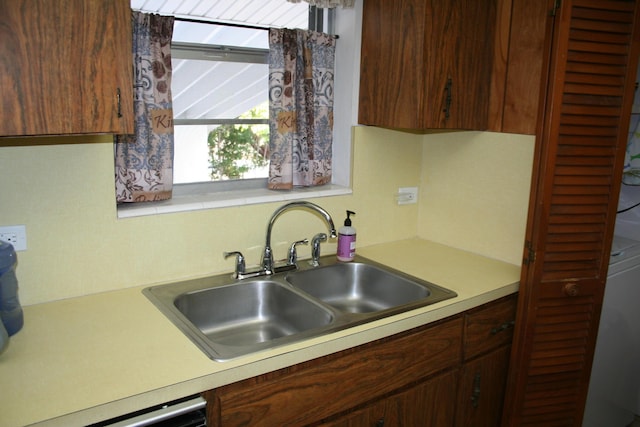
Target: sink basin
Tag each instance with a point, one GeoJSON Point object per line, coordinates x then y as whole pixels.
{"type": "Point", "coordinates": [357, 287]}
{"type": "Point", "coordinates": [250, 313]}
{"type": "Point", "coordinates": [227, 318]}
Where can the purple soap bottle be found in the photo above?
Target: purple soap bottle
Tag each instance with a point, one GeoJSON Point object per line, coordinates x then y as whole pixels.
{"type": "Point", "coordinates": [347, 240]}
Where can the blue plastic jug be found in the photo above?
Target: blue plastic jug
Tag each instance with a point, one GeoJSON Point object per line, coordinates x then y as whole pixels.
{"type": "Point", "coordinates": [4, 338]}
{"type": "Point", "coordinates": [10, 309]}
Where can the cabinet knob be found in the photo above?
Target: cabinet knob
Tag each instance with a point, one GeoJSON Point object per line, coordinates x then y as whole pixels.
{"type": "Point", "coordinates": [571, 289]}
{"type": "Point", "coordinates": [380, 422]}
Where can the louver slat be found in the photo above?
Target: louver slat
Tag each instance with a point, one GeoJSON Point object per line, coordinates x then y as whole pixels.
{"type": "Point", "coordinates": [582, 141]}
{"type": "Point", "coordinates": [598, 44]}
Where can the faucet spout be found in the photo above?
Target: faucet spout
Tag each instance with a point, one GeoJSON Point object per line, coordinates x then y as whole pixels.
{"type": "Point", "coordinates": [267, 256]}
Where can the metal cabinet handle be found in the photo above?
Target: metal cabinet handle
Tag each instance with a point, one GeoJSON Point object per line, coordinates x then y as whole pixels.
{"type": "Point", "coordinates": [475, 394]}
{"type": "Point", "coordinates": [119, 103]}
{"type": "Point", "coordinates": [503, 327]}
{"type": "Point", "coordinates": [447, 98]}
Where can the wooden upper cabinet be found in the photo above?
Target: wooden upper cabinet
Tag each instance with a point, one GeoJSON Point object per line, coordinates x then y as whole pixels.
{"type": "Point", "coordinates": [442, 64]}
{"type": "Point", "coordinates": [523, 80]}
{"type": "Point", "coordinates": [429, 64]}
{"type": "Point", "coordinates": [65, 67]}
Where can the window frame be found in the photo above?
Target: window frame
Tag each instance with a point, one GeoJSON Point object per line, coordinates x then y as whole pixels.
{"type": "Point", "coordinates": [206, 52]}
{"type": "Point", "coordinates": [221, 194]}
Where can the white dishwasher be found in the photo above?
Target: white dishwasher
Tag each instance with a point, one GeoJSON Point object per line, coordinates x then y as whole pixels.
{"type": "Point", "coordinates": [614, 389]}
{"type": "Point", "coordinates": [187, 412]}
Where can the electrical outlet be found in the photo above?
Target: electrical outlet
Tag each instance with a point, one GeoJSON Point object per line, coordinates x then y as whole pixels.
{"type": "Point", "coordinates": [407, 195]}
{"type": "Point", "coordinates": [16, 235]}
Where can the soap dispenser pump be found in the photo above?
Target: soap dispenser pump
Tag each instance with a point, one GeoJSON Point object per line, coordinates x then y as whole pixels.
{"type": "Point", "coordinates": [347, 240]}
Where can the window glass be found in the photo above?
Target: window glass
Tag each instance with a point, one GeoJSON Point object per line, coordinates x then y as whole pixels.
{"type": "Point", "coordinates": [217, 34]}
{"type": "Point", "coordinates": [220, 99]}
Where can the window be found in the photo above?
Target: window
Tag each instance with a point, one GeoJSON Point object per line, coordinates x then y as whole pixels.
{"type": "Point", "coordinates": [220, 102]}
{"type": "Point", "coordinates": [196, 35]}
{"type": "Point", "coordinates": [220, 98]}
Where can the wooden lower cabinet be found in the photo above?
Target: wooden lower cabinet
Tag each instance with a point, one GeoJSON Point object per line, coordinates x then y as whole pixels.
{"type": "Point", "coordinates": [415, 378]}
{"type": "Point", "coordinates": [486, 350]}
{"type": "Point", "coordinates": [373, 415]}
{"type": "Point", "coordinates": [481, 390]}
{"type": "Point", "coordinates": [429, 403]}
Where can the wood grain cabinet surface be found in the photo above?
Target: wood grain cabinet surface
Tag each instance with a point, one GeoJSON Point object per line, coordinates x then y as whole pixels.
{"type": "Point", "coordinates": [65, 67]}
{"type": "Point", "coordinates": [409, 379]}
{"type": "Point", "coordinates": [487, 345]}
{"type": "Point", "coordinates": [451, 65]}
{"type": "Point", "coordinates": [589, 80]}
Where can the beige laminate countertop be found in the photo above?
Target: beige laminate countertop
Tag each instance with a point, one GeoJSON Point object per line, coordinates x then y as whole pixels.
{"type": "Point", "coordinates": [87, 359]}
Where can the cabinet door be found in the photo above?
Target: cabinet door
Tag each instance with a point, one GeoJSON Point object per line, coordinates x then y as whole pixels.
{"type": "Point", "coordinates": [369, 416]}
{"type": "Point", "coordinates": [489, 327]}
{"type": "Point", "coordinates": [529, 21]}
{"type": "Point", "coordinates": [580, 150]}
{"type": "Point", "coordinates": [392, 71]}
{"type": "Point", "coordinates": [482, 385]}
{"type": "Point", "coordinates": [65, 67]}
{"type": "Point", "coordinates": [472, 30]}
{"type": "Point", "coordinates": [431, 403]}
{"type": "Point", "coordinates": [331, 385]}
{"type": "Point", "coordinates": [429, 64]}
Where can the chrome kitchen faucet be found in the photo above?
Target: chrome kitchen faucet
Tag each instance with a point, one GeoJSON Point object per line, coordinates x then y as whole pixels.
{"type": "Point", "coordinates": [267, 264]}
{"type": "Point", "coordinates": [267, 256]}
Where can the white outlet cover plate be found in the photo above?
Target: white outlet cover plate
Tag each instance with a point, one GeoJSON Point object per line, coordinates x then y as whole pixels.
{"type": "Point", "coordinates": [17, 234]}
{"type": "Point", "coordinates": [407, 195]}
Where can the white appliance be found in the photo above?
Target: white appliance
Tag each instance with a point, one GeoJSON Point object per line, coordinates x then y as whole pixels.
{"type": "Point", "coordinates": [614, 389]}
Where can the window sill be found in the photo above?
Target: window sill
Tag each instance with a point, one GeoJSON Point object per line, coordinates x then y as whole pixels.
{"type": "Point", "coordinates": [195, 202]}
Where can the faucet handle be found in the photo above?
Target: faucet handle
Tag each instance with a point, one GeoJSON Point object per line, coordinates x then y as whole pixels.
{"type": "Point", "coordinates": [293, 255]}
{"type": "Point", "coordinates": [240, 264]}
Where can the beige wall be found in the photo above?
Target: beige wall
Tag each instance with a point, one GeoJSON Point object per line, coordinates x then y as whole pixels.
{"type": "Point", "coordinates": [472, 196]}
{"type": "Point", "coordinates": [475, 192]}
{"type": "Point", "coordinates": [76, 244]}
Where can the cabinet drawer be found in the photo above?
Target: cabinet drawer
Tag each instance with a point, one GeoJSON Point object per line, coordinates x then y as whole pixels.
{"type": "Point", "coordinates": [489, 326]}
{"type": "Point", "coordinates": [320, 388]}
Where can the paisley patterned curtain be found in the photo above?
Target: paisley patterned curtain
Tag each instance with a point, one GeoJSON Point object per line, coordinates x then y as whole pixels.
{"type": "Point", "coordinates": [144, 161]}
{"type": "Point", "coordinates": [301, 69]}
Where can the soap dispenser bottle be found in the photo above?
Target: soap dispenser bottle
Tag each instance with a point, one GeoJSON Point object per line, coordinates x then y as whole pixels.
{"type": "Point", "coordinates": [347, 240]}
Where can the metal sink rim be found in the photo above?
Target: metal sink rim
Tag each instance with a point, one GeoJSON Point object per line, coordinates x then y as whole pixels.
{"type": "Point", "coordinates": [163, 297]}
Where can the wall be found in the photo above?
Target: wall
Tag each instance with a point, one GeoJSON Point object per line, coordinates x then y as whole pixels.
{"type": "Point", "coordinates": [475, 192]}
{"type": "Point", "coordinates": [473, 195]}
{"type": "Point", "coordinates": [64, 194]}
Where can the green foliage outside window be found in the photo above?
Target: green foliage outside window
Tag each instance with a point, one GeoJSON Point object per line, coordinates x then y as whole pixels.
{"type": "Point", "coordinates": [236, 149]}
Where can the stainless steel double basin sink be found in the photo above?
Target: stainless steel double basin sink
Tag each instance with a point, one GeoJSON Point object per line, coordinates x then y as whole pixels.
{"type": "Point", "coordinates": [228, 318]}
